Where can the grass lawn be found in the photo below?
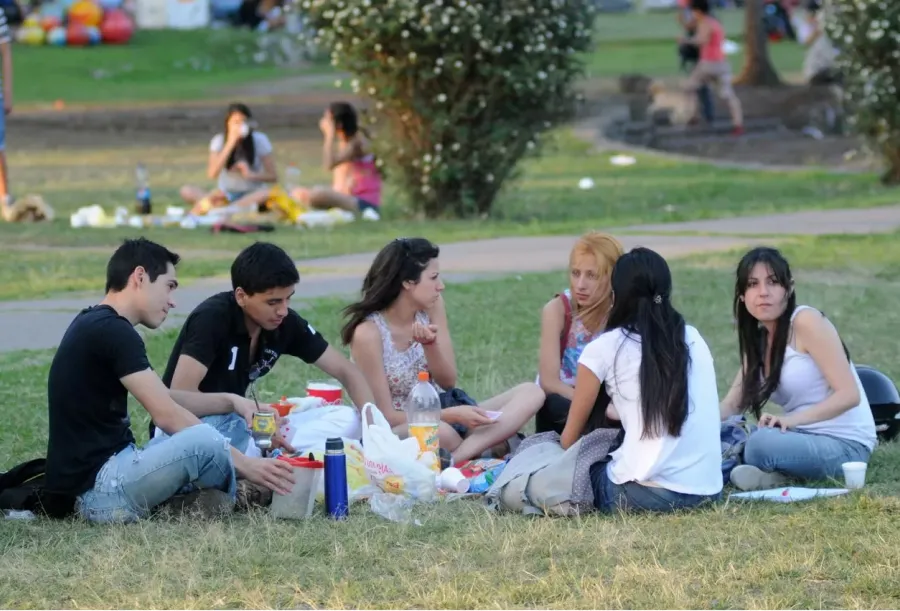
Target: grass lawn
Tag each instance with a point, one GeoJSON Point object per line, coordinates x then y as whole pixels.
{"type": "Point", "coordinates": [836, 553]}
{"type": "Point", "coordinates": [203, 64]}
{"type": "Point", "coordinates": [49, 258]}
{"type": "Point", "coordinates": [156, 65]}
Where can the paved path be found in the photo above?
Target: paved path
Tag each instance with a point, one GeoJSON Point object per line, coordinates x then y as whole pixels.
{"type": "Point", "coordinates": [41, 323]}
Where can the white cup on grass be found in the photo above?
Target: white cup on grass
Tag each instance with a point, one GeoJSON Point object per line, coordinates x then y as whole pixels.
{"type": "Point", "coordinates": [854, 475]}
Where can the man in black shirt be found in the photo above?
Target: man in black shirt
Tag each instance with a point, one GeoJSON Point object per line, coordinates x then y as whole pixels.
{"type": "Point", "coordinates": [235, 337]}
{"type": "Point", "coordinates": [92, 458]}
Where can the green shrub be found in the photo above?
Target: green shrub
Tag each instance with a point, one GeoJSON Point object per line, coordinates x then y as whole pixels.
{"type": "Point", "coordinates": [867, 33]}
{"type": "Point", "coordinates": [460, 90]}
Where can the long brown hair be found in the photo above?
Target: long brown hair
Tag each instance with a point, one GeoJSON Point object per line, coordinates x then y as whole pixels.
{"type": "Point", "coordinates": [606, 250]}
{"type": "Point", "coordinates": [400, 261]}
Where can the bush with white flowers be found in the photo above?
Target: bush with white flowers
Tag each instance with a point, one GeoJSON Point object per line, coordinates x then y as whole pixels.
{"type": "Point", "coordinates": [867, 34]}
{"type": "Point", "coordinates": [460, 90]}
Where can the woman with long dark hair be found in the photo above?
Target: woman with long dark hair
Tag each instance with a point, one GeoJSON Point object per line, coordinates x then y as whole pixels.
{"type": "Point", "coordinates": [399, 328]}
{"type": "Point", "coordinates": [660, 377]}
{"type": "Point", "coordinates": [794, 356]}
{"type": "Point", "coordinates": [241, 159]}
{"type": "Point", "coordinates": [356, 180]}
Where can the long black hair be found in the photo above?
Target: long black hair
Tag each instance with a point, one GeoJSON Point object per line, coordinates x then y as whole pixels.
{"type": "Point", "coordinates": [753, 338]}
{"type": "Point", "coordinates": [402, 260]}
{"type": "Point", "coordinates": [642, 306]}
{"type": "Point", "coordinates": [245, 149]}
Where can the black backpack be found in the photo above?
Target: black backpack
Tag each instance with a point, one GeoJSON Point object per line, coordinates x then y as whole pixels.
{"type": "Point", "coordinates": [19, 486]}
{"type": "Point", "coordinates": [22, 489]}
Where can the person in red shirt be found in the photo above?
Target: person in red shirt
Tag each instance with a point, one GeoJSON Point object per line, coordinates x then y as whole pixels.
{"type": "Point", "coordinates": [713, 67]}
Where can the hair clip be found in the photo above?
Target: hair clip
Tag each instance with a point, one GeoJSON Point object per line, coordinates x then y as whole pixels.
{"type": "Point", "coordinates": [657, 299]}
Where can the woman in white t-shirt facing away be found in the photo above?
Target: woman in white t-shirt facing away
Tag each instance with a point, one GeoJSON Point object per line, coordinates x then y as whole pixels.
{"type": "Point", "coordinates": [794, 356]}
{"type": "Point", "coordinates": [242, 163]}
{"type": "Point", "coordinates": [660, 377]}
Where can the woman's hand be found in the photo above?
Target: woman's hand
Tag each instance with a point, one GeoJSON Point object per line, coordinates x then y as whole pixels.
{"type": "Point", "coordinates": [568, 438]}
{"type": "Point", "coordinates": [772, 421]}
{"type": "Point", "coordinates": [424, 334]}
{"type": "Point", "coordinates": [326, 124]}
{"type": "Point", "coordinates": [469, 417]}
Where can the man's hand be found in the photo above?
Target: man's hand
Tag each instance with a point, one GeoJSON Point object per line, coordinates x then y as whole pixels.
{"type": "Point", "coordinates": [245, 408]}
{"type": "Point", "coordinates": [274, 474]}
{"type": "Point", "coordinates": [7, 104]}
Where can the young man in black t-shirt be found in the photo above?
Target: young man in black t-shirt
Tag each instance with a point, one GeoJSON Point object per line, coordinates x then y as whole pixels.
{"type": "Point", "coordinates": [235, 337]}
{"type": "Point", "coordinates": [92, 459]}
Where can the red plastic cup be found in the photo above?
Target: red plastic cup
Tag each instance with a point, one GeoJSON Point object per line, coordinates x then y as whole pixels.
{"type": "Point", "coordinates": [329, 391]}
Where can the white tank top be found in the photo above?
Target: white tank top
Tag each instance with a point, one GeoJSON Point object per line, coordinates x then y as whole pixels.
{"type": "Point", "coordinates": [803, 386]}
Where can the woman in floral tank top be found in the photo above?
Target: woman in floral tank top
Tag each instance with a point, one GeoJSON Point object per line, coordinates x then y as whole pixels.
{"type": "Point", "coordinates": [399, 328]}
{"type": "Point", "coordinates": [570, 321]}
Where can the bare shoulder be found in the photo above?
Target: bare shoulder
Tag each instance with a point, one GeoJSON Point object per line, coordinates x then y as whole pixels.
{"type": "Point", "coordinates": [366, 333]}
{"type": "Point", "coordinates": [809, 321]}
{"type": "Point", "coordinates": [555, 306]}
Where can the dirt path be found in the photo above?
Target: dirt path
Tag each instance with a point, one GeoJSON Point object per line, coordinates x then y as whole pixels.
{"type": "Point", "coordinates": [40, 324]}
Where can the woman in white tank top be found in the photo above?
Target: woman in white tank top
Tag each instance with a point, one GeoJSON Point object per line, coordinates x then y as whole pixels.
{"type": "Point", "coordinates": [794, 356]}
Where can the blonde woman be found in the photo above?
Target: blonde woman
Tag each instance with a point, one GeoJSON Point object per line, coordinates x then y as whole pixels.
{"type": "Point", "coordinates": [570, 321]}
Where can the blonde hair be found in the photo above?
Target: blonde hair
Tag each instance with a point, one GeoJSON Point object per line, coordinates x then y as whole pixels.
{"type": "Point", "coordinates": [606, 250]}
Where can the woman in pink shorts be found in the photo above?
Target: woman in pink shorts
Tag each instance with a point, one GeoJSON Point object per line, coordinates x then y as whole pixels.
{"type": "Point", "coordinates": [356, 181]}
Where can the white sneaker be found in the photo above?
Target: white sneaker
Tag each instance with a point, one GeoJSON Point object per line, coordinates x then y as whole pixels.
{"type": "Point", "coordinates": [748, 477]}
{"type": "Point", "coordinates": [370, 214]}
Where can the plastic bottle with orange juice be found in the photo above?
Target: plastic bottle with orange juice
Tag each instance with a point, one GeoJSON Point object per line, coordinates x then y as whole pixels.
{"type": "Point", "coordinates": [423, 417]}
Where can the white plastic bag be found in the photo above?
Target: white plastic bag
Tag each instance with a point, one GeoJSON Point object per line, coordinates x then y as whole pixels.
{"type": "Point", "coordinates": [307, 430]}
{"type": "Point", "coordinates": [393, 465]}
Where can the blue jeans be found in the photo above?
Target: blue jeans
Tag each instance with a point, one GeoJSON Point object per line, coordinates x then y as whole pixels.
{"type": "Point", "coordinates": [134, 481]}
{"type": "Point", "coordinates": [632, 496]}
{"type": "Point", "coordinates": [232, 427]}
{"type": "Point", "coordinates": [802, 454]}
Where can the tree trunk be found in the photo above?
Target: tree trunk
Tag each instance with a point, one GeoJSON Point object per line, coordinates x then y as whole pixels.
{"type": "Point", "coordinates": [758, 69]}
{"type": "Point", "coordinates": [891, 154]}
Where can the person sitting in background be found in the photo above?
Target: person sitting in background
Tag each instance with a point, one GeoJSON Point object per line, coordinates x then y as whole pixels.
{"type": "Point", "coordinates": [261, 15]}
{"type": "Point", "coordinates": [794, 356]}
{"type": "Point", "coordinates": [569, 322]}
{"type": "Point", "coordinates": [242, 160]}
{"type": "Point", "coordinates": [660, 377]}
{"type": "Point", "coordinates": [356, 181]}
{"type": "Point", "coordinates": [399, 328]}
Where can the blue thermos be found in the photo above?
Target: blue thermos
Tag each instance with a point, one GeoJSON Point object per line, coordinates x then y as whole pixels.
{"type": "Point", "coordinates": [336, 500]}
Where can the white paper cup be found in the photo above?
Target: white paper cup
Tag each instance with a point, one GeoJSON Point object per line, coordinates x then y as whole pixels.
{"type": "Point", "coordinates": [452, 480]}
{"type": "Point", "coordinates": [854, 475]}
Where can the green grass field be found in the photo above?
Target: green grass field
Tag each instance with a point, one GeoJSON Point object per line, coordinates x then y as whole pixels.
{"type": "Point", "coordinates": [161, 66]}
{"type": "Point", "coordinates": [837, 553]}
{"type": "Point", "coordinates": [50, 258]}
